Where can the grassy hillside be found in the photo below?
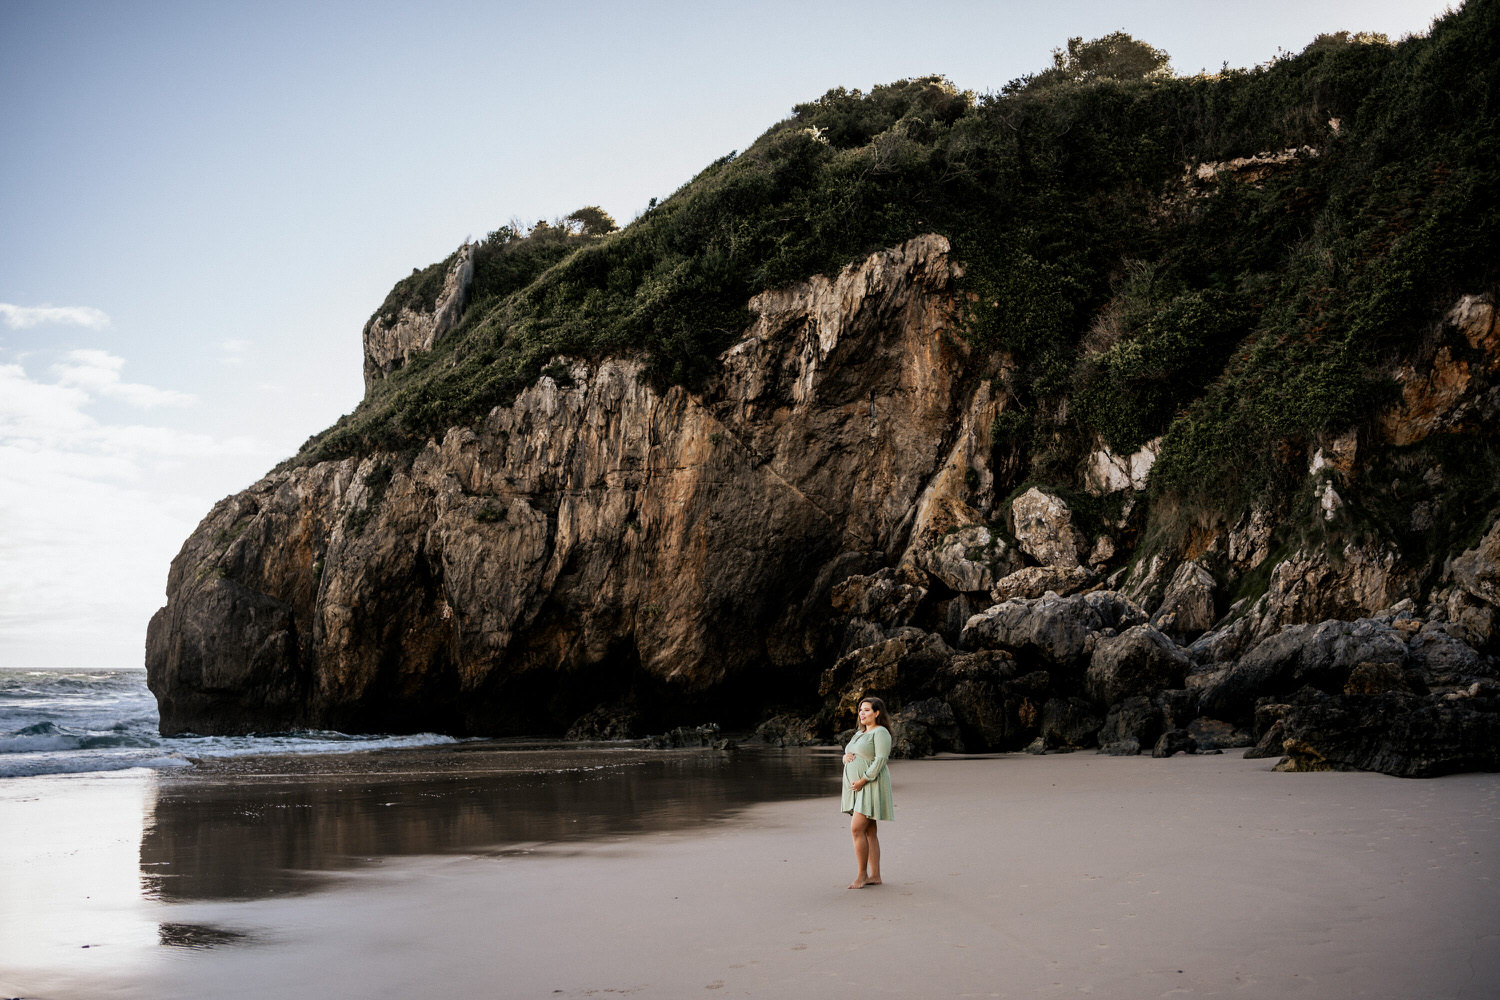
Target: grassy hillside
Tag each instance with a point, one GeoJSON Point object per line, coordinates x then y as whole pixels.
{"type": "Point", "coordinates": [1241, 319]}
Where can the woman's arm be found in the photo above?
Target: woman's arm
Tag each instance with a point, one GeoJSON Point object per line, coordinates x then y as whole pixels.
{"type": "Point", "coordinates": [882, 752]}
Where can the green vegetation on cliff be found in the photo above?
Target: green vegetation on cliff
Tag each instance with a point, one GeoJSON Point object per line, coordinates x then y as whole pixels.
{"type": "Point", "coordinates": [1245, 311]}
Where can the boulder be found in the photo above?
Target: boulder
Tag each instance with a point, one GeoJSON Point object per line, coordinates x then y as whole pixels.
{"type": "Point", "coordinates": [1145, 581]}
{"type": "Point", "coordinates": [1187, 607]}
{"type": "Point", "coordinates": [1379, 678]}
{"type": "Point", "coordinates": [1212, 734]}
{"type": "Point", "coordinates": [1138, 661]}
{"type": "Point", "coordinates": [1178, 707]}
{"type": "Point", "coordinates": [923, 728]}
{"type": "Point", "coordinates": [950, 616]}
{"type": "Point", "coordinates": [1319, 655]}
{"type": "Point", "coordinates": [1115, 610]}
{"type": "Point", "coordinates": [908, 660]}
{"type": "Point", "coordinates": [1130, 725]}
{"type": "Point", "coordinates": [1269, 745]}
{"type": "Point", "coordinates": [1037, 581]}
{"type": "Point", "coordinates": [987, 708]}
{"type": "Point", "coordinates": [859, 633]}
{"type": "Point", "coordinates": [1230, 637]}
{"type": "Point", "coordinates": [1472, 620]}
{"type": "Point", "coordinates": [1069, 724]}
{"type": "Point", "coordinates": [1405, 735]}
{"type": "Point", "coordinates": [970, 559]}
{"type": "Point", "coordinates": [607, 722]}
{"type": "Point", "coordinates": [687, 737]}
{"type": "Point", "coordinates": [1446, 661]}
{"type": "Point", "coordinates": [788, 730]}
{"type": "Point", "coordinates": [1056, 631]}
{"type": "Point", "coordinates": [1174, 741]}
{"type": "Point", "coordinates": [1111, 473]}
{"type": "Point", "coordinates": [1475, 574]}
{"type": "Point", "coordinates": [1346, 584]}
{"type": "Point", "coordinates": [881, 597]}
{"type": "Point", "coordinates": [1044, 529]}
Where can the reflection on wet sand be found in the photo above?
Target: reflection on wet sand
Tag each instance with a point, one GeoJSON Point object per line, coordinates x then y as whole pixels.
{"type": "Point", "coordinates": [259, 827]}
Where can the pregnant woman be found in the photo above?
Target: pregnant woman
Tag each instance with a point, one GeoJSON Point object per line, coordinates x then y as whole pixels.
{"type": "Point", "coordinates": [867, 787]}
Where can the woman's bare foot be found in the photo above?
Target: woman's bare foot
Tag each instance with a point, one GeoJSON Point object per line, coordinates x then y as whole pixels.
{"type": "Point", "coordinates": [872, 881]}
{"type": "Point", "coordinates": [861, 882]}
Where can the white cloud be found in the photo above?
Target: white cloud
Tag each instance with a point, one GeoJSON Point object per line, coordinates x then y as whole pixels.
{"type": "Point", "coordinates": [98, 373]}
{"type": "Point", "coordinates": [234, 351]}
{"type": "Point", "coordinates": [21, 317]}
{"type": "Point", "coordinates": [91, 514]}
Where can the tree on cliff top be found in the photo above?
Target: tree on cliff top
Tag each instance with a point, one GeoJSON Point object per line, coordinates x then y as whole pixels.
{"type": "Point", "coordinates": [847, 119]}
{"type": "Point", "coordinates": [1116, 56]}
{"type": "Point", "coordinates": [590, 220]}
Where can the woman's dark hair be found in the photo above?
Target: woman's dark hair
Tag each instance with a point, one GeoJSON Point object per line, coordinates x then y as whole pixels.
{"type": "Point", "coordinates": [882, 717]}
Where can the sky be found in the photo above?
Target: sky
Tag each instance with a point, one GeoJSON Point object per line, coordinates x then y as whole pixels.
{"type": "Point", "coordinates": [202, 203]}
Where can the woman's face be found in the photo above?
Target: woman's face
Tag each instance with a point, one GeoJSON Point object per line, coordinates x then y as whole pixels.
{"type": "Point", "coordinates": [866, 715]}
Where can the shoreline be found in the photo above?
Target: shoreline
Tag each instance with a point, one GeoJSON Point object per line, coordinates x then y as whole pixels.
{"type": "Point", "coordinates": [1005, 875]}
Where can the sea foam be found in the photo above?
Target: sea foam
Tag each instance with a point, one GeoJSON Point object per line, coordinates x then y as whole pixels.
{"type": "Point", "coordinates": [85, 721]}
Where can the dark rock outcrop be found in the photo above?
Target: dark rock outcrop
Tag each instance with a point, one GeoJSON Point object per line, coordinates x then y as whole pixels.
{"type": "Point", "coordinates": [1395, 733]}
{"type": "Point", "coordinates": [1174, 741]}
{"type": "Point", "coordinates": [1131, 725]}
{"type": "Point", "coordinates": [1321, 655]}
{"type": "Point", "coordinates": [925, 727]}
{"type": "Point", "coordinates": [1048, 630]}
{"type": "Point", "coordinates": [1138, 661]}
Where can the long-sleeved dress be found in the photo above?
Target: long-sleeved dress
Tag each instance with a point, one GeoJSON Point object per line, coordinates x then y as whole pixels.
{"type": "Point", "coordinates": [871, 749]}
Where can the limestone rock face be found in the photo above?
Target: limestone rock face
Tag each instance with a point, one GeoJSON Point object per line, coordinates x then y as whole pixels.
{"type": "Point", "coordinates": [1312, 586]}
{"type": "Point", "coordinates": [585, 543]}
{"type": "Point", "coordinates": [1044, 529]}
{"type": "Point", "coordinates": [1111, 473]}
{"type": "Point", "coordinates": [1445, 393]}
{"type": "Point", "coordinates": [1477, 570]}
{"type": "Point", "coordinates": [970, 559]}
{"type": "Point", "coordinates": [881, 597]}
{"type": "Point", "coordinates": [391, 344]}
{"type": "Point", "coordinates": [1187, 606]}
{"type": "Point", "coordinates": [823, 518]}
{"type": "Point", "coordinates": [1037, 581]}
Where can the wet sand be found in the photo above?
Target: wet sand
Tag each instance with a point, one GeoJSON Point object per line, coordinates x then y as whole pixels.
{"type": "Point", "coordinates": [1008, 876]}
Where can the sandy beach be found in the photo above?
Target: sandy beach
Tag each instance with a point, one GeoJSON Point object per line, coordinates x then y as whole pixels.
{"type": "Point", "coordinates": [1005, 876]}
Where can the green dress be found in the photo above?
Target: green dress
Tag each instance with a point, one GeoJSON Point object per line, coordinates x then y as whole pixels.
{"type": "Point", "coordinates": [871, 749]}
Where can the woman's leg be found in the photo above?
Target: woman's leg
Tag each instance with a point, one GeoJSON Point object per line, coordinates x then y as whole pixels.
{"type": "Point", "coordinates": [874, 851]}
{"type": "Point", "coordinates": [859, 828]}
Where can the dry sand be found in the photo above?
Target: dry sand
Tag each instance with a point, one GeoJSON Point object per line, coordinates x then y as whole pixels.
{"type": "Point", "coordinates": [1008, 876]}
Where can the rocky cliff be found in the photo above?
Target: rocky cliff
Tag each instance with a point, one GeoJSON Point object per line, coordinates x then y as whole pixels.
{"type": "Point", "coordinates": [1180, 436]}
{"type": "Point", "coordinates": [393, 340]}
{"type": "Point", "coordinates": [826, 517]}
{"type": "Point", "coordinates": [594, 541]}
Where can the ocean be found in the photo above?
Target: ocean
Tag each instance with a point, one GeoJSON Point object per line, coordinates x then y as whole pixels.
{"type": "Point", "coordinates": [120, 847]}
{"type": "Point", "coordinates": [69, 721]}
